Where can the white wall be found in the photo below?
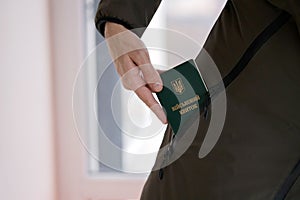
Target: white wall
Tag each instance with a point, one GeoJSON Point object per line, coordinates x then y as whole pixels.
{"type": "Point", "coordinates": [26, 132]}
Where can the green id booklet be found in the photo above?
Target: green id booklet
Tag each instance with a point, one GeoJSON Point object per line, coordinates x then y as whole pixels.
{"type": "Point", "coordinates": [184, 93]}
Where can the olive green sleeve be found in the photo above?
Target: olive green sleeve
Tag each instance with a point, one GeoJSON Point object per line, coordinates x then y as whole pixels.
{"type": "Point", "coordinates": [130, 13]}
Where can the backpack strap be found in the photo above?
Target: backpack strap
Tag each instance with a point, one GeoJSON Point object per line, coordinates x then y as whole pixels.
{"type": "Point", "coordinates": [250, 52]}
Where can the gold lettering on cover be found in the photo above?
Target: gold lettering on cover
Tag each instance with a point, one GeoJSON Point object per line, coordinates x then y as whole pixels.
{"type": "Point", "coordinates": [188, 109]}
{"type": "Point", "coordinates": [183, 104]}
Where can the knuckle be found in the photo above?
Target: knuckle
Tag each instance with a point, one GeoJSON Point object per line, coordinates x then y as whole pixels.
{"type": "Point", "coordinates": [141, 57]}
{"type": "Point", "coordinates": [143, 52]}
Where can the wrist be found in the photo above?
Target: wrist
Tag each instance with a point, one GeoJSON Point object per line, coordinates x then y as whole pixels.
{"type": "Point", "coordinates": [112, 28]}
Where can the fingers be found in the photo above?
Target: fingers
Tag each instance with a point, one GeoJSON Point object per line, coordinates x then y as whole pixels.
{"type": "Point", "coordinates": [142, 60]}
{"type": "Point", "coordinates": [125, 43]}
{"type": "Point", "coordinates": [133, 64]}
{"type": "Point", "coordinates": [146, 96]}
{"type": "Point", "coordinates": [130, 74]}
{"type": "Point", "coordinates": [132, 79]}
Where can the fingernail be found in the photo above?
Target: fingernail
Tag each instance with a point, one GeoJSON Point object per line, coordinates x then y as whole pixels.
{"type": "Point", "coordinates": [159, 113]}
{"type": "Point", "coordinates": [158, 87]}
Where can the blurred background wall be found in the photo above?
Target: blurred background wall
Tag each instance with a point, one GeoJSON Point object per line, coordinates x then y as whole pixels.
{"type": "Point", "coordinates": [26, 118]}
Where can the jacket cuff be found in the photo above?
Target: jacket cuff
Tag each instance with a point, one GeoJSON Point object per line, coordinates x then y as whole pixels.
{"type": "Point", "coordinates": [131, 14]}
{"type": "Point", "coordinates": [100, 24]}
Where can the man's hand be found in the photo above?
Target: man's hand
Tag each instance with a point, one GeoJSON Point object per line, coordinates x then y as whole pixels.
{"type": "Point", "coordinates": [133, 64]}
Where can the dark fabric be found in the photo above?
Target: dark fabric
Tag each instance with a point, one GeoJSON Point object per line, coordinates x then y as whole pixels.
{"type": "Point", "coordinates": [288, 183]}
{"type": "Point", "coordinates": [138, 13]}
{"type": "Point", "coordinates": [260, 143]}
{"type": "Point", "coordinates": [291, 6]}
{"type": "Point", "coordinates": [131, 13]}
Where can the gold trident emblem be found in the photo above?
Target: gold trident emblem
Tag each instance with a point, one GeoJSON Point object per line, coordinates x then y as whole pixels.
{"type": "Point", "coordinates": [178, 86]}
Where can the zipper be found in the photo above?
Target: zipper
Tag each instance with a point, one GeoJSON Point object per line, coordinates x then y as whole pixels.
{"type": "Point", "coordinates": [167, 156]}
{"type": "Point", "coordinates": [255, 46]}
{"type": "Point", "coordinates": [251, 51]}
{"type": "Point", "coordinates": [170, 148]}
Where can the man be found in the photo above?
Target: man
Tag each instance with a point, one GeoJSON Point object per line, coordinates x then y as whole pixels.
{"type": "Point", "coordinates": [258, 153]}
